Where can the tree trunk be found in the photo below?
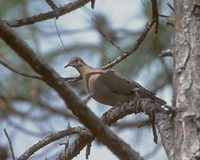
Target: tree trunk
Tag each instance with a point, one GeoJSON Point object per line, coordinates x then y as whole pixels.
{"type": "Point", "coordinates": [187, 80]}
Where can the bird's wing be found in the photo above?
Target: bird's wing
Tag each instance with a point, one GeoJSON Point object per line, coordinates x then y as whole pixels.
{"type": "Point", "coordinates": [121, 85]}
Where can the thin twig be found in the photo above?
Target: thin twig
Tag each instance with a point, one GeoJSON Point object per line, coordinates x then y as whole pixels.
{"type": "Point", "coordinates": [133, 49]}
{"type": "Point", "coordinates": [10, 144]}
{"type": "Point", "coordinates": [107, 37]}
{"type": "Point", "coordinates": [13, 69]}
{"type": "Point", "coordinates": [170, 6]}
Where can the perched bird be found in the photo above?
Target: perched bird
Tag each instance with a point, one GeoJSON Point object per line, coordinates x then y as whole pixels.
{"type": "Point", "coordinates": [109, 87]}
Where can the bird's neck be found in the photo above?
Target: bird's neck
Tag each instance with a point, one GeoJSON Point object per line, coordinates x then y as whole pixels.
{"type": "Point", "coordinates": [85, 70]}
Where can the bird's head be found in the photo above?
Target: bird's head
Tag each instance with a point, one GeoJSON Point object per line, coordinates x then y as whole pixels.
{"type": "Point", "coordinates": [75, 62]}
{"type": "Point", "coordinates": [79, 64]}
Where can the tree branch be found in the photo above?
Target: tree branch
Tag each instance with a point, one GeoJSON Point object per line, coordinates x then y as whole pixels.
{"type": "Point", "coordinates": [49, 15]}
{"type": "Point", "coordinates": [133, 49]}
{"type": "Point", "coordinates": [49, 139]}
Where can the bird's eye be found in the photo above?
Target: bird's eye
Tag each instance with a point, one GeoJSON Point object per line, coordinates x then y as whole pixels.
{"type": "Point", "coordinates": [79, 63]}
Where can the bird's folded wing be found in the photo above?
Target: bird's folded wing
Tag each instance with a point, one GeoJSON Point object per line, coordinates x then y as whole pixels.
{"type": "Point", "coordinates": [120, 84]}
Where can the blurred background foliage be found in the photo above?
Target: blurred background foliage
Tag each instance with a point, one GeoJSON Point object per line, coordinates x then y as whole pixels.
{"type": "Point", "coordinates": [30, 110]}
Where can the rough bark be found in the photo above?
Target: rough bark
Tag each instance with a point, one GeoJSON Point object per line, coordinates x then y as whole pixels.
{"type": "Point", "coordinates": [187, 80]}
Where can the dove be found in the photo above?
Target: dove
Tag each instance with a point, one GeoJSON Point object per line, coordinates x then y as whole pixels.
{"type": "Point", "coordinates": [109, 87]}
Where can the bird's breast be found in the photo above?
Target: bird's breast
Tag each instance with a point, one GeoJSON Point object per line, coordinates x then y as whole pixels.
{"type": "Point", "coordinates": [101, 92]}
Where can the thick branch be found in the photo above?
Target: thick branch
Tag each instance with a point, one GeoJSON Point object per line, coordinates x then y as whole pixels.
{"type": "Point", "coordinates": [106, 136]}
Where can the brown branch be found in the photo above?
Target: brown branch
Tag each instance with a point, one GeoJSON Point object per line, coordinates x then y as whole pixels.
{"type": "Point", "coordinates": [114, 114]}
{"type": "Point", "coordinates": [10, 144]}
{"type": "Point", "coordinates": [85, 115]}
{"type": "Point", "coordinates": [49, 15]}
{"type": "Point", "coordinates": [49, 139]}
